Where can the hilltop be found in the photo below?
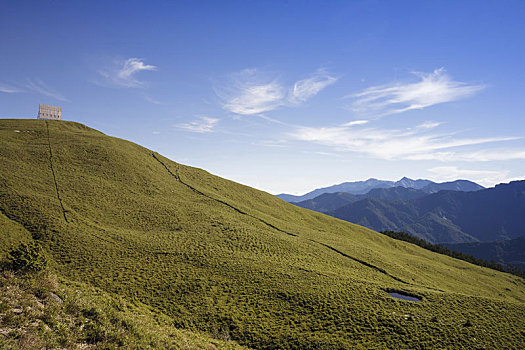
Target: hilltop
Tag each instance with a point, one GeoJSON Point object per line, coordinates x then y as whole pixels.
{"type": "Point", "coordinates": [223, 258]}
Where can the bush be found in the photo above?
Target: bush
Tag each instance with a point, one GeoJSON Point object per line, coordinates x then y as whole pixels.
{"type": "Point", "coordinates": [27, 257]}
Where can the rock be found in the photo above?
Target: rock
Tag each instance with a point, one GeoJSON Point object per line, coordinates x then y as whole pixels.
{"type": "Point", "coordinates": [55, 298]}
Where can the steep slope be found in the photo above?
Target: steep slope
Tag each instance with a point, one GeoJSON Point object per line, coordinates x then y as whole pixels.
{"type": "Point", "coordinates": [39, 312]}
{"type": "Point", "coordinates": [405, 216]}
{"type": "Point", "coordinates": [447, 216]}
{"type": "Point", "coordinates": [328, 201]}
{"type": "Point", "coordinates": [216, 255]}
{"type": "Point", "coordinates": [331, 201]}
{"type": "Point", "coordinates": [508, 252]}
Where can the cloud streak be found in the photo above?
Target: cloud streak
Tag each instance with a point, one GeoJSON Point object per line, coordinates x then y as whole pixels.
{"type": "Point", "coordinates": [483, 177]}
{"type": "Point", "coordinates": [40, 87]}
{"type": "Point", "coordinates": [249, 92]}
{"type": "Point", "coordinates": [431, 89]}
{"type": "Point", "coordinates": [123, 74]}
{"type": "Point", "coordinates": [473, 156]}
{"type": "Point", "coordinates": [200, 125]}
{"type": "Point", "coordinates": [36, 85]}
{"type": "Point", "coordinates": [9, 89]}
{"type": "Point", "coordinates": [409, 144]}
{"type": "Point", "coordinates": [305, 89]}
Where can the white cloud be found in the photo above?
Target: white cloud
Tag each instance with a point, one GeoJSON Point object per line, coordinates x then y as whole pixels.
{"type": "Point", "coordinates": [356, 122]}
{"type": "Point", "coordinates": [124, 73]}
{"type": "Point", "coordinates": [152, 100]}
{"type": "Point", "coordinates": [329, 154]}
{"type": "Point", "coordinates": [433, 88]}
{"type": "Point", "coordinates": [390, 144]}
{"type": "Point", "coordinates": [249, 92]}
{"type": "Point", "coordinates": [307, 88]}
{"type": "Point", "coordinates": [483, 177]}
{"type": "Point", "coordinates": [35, 85]}
{"type": "Point", "coordinates": [428, 125]}
{"type": "Point", "coordinates": [40, 87]}
{"type": "Point", "coordinates": [9, 89]}
{"type": "Point", "coordinates": [200, 125]}
{"type": "Point", "coordinates": [473, 156]}
{"type": "Point", "coordinates": [256, 99]}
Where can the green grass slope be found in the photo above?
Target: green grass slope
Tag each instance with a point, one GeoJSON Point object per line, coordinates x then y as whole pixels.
{"type": "Point", "coordinates": [37, 311]}
{"type": "Point", "coordinates": [217, 256]}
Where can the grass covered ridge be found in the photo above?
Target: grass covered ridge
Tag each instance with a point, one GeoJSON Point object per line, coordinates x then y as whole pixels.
{"type": "Point", "coordinates": [215, 255]}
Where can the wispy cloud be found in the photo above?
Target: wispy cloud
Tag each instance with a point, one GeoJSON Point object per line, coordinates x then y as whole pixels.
{"type": "Point", "coordinates": [484, 155]}
{"type": "Point", "coordinates": [123, 73]}
{"type": "Point", "coordinates": [249, 92]}
{"type": "Point", "coordinates": [9, 89]}
{"type": "Point", "coordinates": [431, 89]}
{"type": "Point", "coordinates": [307, 88]}
{"type": "Point", "coordinates": [390, 144]}
{"type": "Point", "coordinates": [152, 100]}
{"type": "Point", "coordinates": [428, 125]}
{"type": "Point", "coordinates": [33, 85]}
{"type": "Point", "coordinates": [201, 125]}
{"type": "Point", "coordinates": [483, 177]}
{"type": "Point", "coordinates": [40, 87]}
{"type": "Point", "coordinates": [248, 95]}
{"type": "Point", "coordinates": [356, 122]}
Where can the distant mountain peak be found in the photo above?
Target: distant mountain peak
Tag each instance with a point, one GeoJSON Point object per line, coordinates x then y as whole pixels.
{"type": "Point", "coordinates": [362, 187]}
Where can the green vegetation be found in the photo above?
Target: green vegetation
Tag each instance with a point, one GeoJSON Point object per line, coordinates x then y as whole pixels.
{"type": "Point", "coordinates": [437, 248]}
{"type": "Point", "coordinates": [39, 312]}
{"type": "Point", "coordinates": [27, 257]}
{"type": "Point", "coordinates": [222, 258]}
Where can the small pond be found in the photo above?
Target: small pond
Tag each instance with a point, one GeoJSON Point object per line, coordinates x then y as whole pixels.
{"type": "Point", "coordinates": [403, 296]}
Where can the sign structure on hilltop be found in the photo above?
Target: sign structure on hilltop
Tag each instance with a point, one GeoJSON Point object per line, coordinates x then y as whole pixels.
{"type": "Point", "coordinates": [49, 112]}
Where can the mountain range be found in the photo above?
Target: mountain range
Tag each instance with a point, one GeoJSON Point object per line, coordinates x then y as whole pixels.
{"type": "Point", "coordinates": [492, 216]}
{"type": "Point", "coordinates": [332, 201]}
{"type": "Point", "coordinates": [446, 216]}
{"type": "Point", "coordinates": [507, 252]}
{"type": "Point", "coordinates": [363, 187]}
{"type": "Point", "coordinates": [181, 248]}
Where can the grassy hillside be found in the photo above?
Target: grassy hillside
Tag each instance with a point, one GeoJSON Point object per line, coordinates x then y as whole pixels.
{"type": "Point", "coordinates": [37, 311]}
{"type": "Point", "coordinates": [217, 256]}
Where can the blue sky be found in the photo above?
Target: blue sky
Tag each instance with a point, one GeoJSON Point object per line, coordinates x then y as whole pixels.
{"type": "Point", "coordinates": [284, 96]}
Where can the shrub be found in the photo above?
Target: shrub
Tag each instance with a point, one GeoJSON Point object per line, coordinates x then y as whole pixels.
{"type": "Point", "coordinates": [27, 257]}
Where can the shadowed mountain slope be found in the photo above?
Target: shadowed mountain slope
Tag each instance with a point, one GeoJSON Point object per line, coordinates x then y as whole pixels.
{"type": "Point", "coordinates": [221, 257]}
{"type": "Point", "coordinates": [363, 187]}
{"type": "Point", "coordinates": [508, 252]}
{"type": "Point", "coordinates": [332, 201]}
{"type": "Point", "coordinates": [447, 216]}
